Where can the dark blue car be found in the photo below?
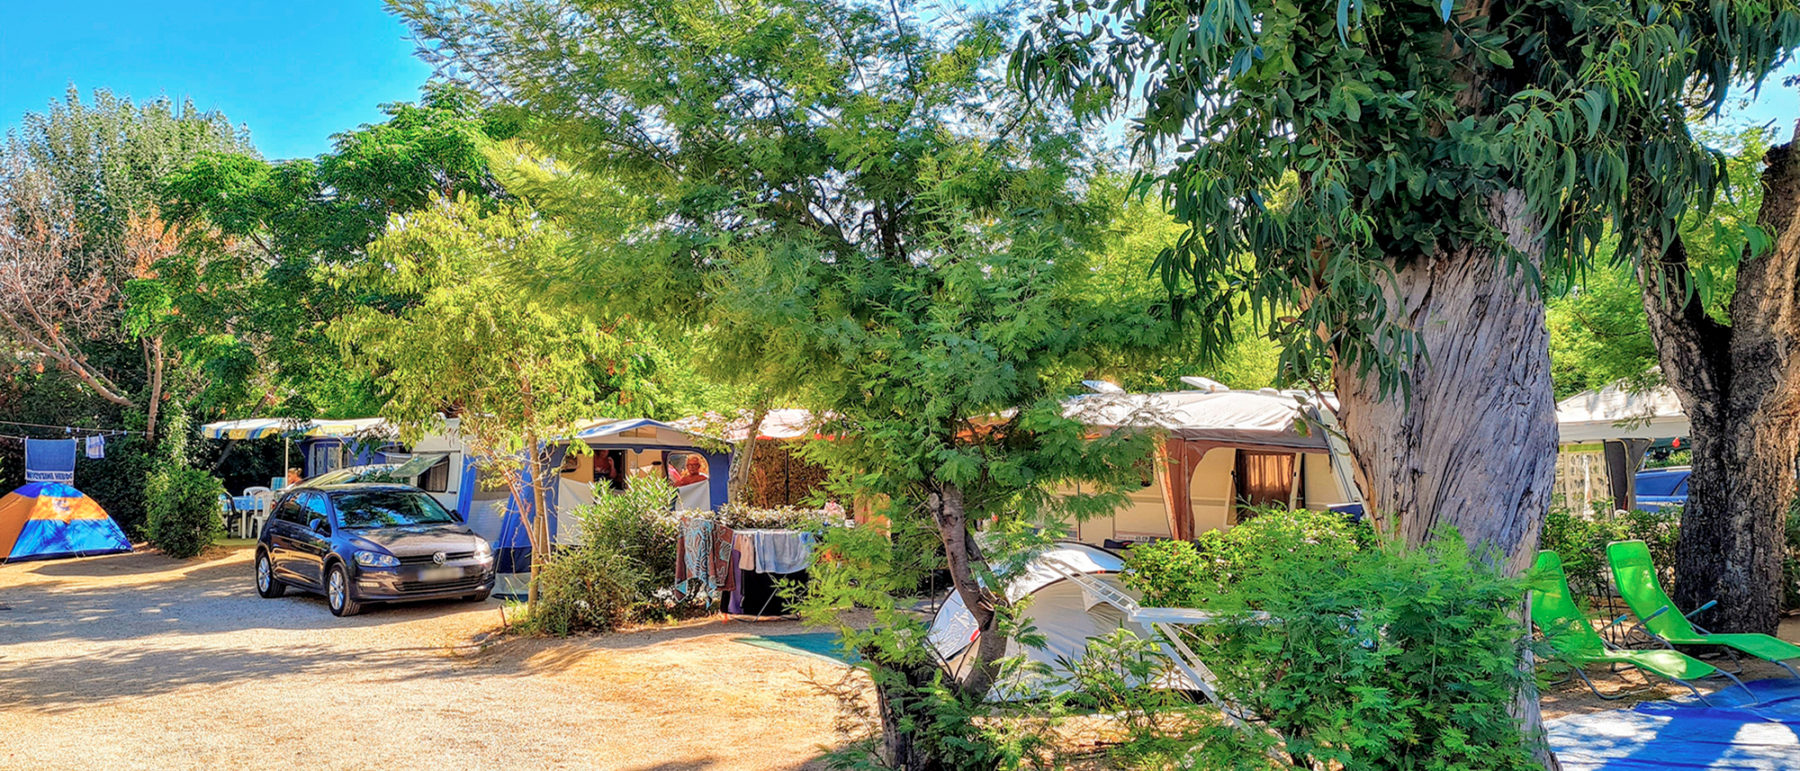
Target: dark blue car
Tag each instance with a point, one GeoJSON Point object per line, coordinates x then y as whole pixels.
{"type": "Point", "coordinates": [364, 542]}
{"type": "Point", "coordinates": [1662, 488]}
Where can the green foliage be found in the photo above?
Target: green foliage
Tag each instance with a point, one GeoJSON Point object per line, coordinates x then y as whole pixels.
{"type": "Point", "coordinates": [1313, 148]}
{"type": "Point", "coordinates": [1598, 331]}
{"type": "Point", "coordinates": [585, 588]}
{"type": "Point", "coordinates": [1194, 573]}
{"type": "Point", "coordinates": [106, 156]}
{"type": "Point", "coordinates": [476, 342]}
{"type": "Point", "coordinates": [183, 507]}
{"type": "Point", "coordinates": [638, 523]}
{"type": "Point", "coordinates": [1581, 542]}
{"type": "Point", "coordinates": [622, 568]}
{"type": "Point", "coordinates": [248, 299]}
{"type": "Point", "coordinates": [1378, 656]}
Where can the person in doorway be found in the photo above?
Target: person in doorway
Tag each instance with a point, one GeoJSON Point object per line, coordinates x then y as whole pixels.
{"type": "Point", "coordinates": [693, 472]}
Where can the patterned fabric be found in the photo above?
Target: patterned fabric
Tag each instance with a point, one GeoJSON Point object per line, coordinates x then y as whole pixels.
{"type": "Point", "coordinates": [703, 558]}
{"type": "Point", "coordinates": [722, 574]}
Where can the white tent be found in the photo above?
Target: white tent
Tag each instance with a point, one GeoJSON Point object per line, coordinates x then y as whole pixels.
{"type": "Point", "coordinates": [1065, 613]}
{"type": "Point", "coordinates": [1620, 412]}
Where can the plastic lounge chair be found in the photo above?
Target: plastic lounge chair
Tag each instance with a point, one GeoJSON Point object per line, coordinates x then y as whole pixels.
{"type": "Point", "coordinates": [1576, 643]}
{"type": "Point", "coordinates": [1658, 617]}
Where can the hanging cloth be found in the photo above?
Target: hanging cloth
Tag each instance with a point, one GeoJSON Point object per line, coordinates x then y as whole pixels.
{"type": "Point", "coordinates": [50, 460]}
{"type": "Point", "coordinates": [96, 447]}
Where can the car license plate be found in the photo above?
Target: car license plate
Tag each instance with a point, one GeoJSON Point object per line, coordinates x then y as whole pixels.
{"type": "Point", "coordinates": [433, 575]}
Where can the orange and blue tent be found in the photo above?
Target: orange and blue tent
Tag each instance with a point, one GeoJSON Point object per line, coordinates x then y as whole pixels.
{"type": "Point", "coordinates": [47, 520]}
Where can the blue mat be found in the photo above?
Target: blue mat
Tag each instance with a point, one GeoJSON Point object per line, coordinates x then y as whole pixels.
{"type": "Point", "coordinates": [1757, 731]}
{"type": "Point", "coordinates": [820, 644]}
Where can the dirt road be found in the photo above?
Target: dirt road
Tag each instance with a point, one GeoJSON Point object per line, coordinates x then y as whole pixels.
{"type": "Point", "coordinates": [139, 661]}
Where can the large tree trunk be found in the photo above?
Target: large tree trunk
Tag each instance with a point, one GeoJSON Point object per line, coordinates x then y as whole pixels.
{"type": "Point", "coordinates": [1740, 385]}
{"type": "Point", "coordinates": [1473, 446]}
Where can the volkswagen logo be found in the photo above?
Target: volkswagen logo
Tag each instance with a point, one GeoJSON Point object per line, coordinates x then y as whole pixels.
{"type": "Point", "coordinates": [438, 558]}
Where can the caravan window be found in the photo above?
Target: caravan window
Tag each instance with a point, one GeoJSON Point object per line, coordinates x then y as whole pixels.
{"type": "Point", "coordinates": [437, 478]}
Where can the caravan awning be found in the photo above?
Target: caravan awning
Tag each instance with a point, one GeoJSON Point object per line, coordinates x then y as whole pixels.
{"type": "Point", "coordinates": [639, 430]}
{"type": "Point", "coordinates": [1267, 418]}
{"type": "Point", "coordinates": [260, 428]}
{"type": "Point", "coordinates": [1619, 412]}
{"type": "Point", "coordinates": [251, 428]}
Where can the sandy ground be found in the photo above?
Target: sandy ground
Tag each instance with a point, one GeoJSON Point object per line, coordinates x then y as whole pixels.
{"type": "Point", "coordinates": [140, 661]}
{"type": "Point", "coordinates": [1574, 698]}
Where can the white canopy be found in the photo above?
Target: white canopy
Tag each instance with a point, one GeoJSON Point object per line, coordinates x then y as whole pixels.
{"type": "Point", "coordinates": [1266, 417]}
{"type": "Point", "coordinates": [1620, 412]}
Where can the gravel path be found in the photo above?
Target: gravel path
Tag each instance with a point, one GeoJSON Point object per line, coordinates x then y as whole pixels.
{"type": "Point", "coordinates": [139, 661]}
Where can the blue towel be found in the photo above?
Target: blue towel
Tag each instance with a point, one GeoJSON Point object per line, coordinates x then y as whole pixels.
{"type": "Point", "coordinates": [50, 460]}
{"type": "Point", "coordinates": [782, 551]}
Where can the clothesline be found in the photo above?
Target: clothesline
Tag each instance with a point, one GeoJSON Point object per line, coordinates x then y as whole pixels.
{"type": "Point", "coordinates": [65, 429]}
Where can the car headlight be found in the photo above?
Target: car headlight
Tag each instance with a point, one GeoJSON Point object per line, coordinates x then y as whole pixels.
{"type": "Point", "coordinates": [483, 552]}
{"type": "Point", "coordinates": [375, 559]}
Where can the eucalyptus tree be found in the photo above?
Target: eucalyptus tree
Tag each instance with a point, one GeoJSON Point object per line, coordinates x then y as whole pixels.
{"type": "Point", "coordinates": [1735, 363]}
{"type": "Point", "coordinates": [856, 211]}
{"type": "Point", "coordinates": [1438, 158]}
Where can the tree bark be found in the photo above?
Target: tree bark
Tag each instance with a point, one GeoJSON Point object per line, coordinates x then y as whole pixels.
{"type": "Point", "coordinates": [539, 526]}
{"type": "Point", "coordinates": [1473, 446]}
{"type": "Point", "coordinates": [897, 686]}
{"type": "Point", "coordinates": [1740, 385]}
{"type": "Point", "coordinates": [963, 553]}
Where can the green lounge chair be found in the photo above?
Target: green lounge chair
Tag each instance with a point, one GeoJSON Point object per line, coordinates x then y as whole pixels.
{"type": "Point", "coordinates": [1657, 616]}
{"type": "Point", "coordinates": [1576, 643]}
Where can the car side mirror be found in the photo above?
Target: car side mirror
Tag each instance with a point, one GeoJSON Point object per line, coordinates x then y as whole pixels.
{"type": "Point", "coordinates": [320, 526]}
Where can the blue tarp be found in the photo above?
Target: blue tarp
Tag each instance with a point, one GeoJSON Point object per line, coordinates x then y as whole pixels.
{"type": "Point", "coordinates": [1733, 733]}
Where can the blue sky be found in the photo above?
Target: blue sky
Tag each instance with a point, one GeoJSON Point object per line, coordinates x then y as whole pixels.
{"type": "Point", "coordinates": [295, 72]}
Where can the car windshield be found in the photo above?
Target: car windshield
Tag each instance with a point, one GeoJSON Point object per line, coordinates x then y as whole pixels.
{"type": "Point", "coordinates": [389, 508]}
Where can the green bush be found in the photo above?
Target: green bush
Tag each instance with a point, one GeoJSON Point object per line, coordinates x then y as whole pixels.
{"type": "Point", "coordinates": [1192, 573]}
{"type": "Point", "coordinates": [622, 568]}
{"type": "Point", "coordinates": [638, 524]}
{"type": "Point", "coordinates": [1581, 542]}
{"type": "Point", "coordinates": [182, 505]}
{"type": "Point", "coordinates": [586, 588]}
{"type": "Point", "coordinates": [1379, 657]}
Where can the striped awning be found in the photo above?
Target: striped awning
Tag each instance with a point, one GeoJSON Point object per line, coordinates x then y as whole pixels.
{"type": "Point", "coordinates": [261, 428]}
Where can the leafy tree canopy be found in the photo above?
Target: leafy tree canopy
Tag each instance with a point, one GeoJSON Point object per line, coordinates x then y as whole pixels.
{"type": "Point", "coordinates": [1396, 126]}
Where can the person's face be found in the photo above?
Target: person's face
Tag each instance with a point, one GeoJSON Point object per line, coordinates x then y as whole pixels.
{"type": "Point", "coordinates": [693, 465]}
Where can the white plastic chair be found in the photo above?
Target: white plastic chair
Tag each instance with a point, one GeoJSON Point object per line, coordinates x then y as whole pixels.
{"type": "Point", "coordinates": [251, 526]}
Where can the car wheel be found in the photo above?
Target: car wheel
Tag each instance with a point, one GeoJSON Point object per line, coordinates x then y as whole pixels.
{"type": "Point", "coordinates": [267, 585]}
{"type": "Point", "coordinates": [479, 596]}
{"type": "Point", "coordinates": [337, 592]}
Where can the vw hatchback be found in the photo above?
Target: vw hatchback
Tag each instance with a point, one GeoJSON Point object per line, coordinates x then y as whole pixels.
{"type": "Point", "coordinates": [366, 542]}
